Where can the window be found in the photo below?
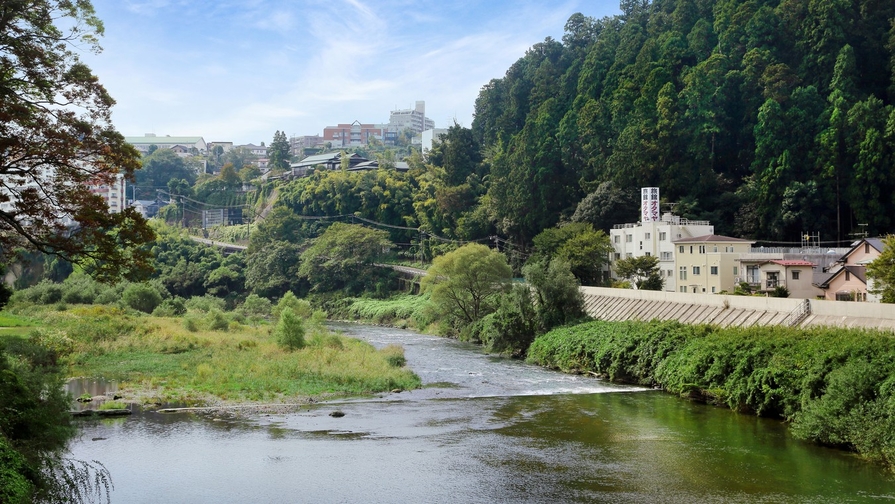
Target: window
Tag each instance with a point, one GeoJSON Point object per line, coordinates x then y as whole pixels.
{"type": "Point", "coordinates": [669, 273]}
{"type": "Point", "coordinates": [713, 289]}
{"type": "Point", "coordinates": [715, 249]}
{"type": "Point", "coordinates": [696, 270]}
{"type": "Point", "coordinates": [629, 238]}
{"type": "Point", "coordinates": [666, 256]}
{"type": "Point", "coordinates": [691, 249]}
{"type": "Point", "coordinates": [629, 255]}
{"type": "Point", "coordinates": [646, 236]}
{"type": "Point", "coordinates": [847, 275]}
{"type": "Point", "coordinates": [713, 270]}
{"type": "Point", "coordinates": [663, 236]}
{"type": "Point", "coordinates": [647, 254]}
{"type": "Point", "coordinates": [680, 249]}
{"type": "Point", "coordinates": [866, 248]}
{"type": "Point", "coordinates": [753, 274]}
{"type": "Point", "coordinates": [683, 289]}
{"type": "Point", "coordinates": [615, 238]}
{"type": "Point", "coordinates": [736, 271]}
{"type": "Point", "coordinates": [773, 279]}
{"type": "Point", "coordinates": [683, 273]}
{"type": "Point", "coordinates": [617, 256]}
{"type": "Point", "coordinates": [702, 249]}
{"type": "Point", "coordinates": [795, 274]}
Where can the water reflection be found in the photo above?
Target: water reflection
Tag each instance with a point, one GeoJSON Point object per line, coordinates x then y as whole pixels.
{"type": "Point", "coordinates": [468, 442]}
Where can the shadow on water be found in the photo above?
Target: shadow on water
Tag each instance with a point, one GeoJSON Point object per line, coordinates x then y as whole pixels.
{"type": "Point", "coordinates": [481, 430]}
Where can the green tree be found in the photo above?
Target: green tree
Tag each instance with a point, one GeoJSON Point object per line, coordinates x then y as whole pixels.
{"type": "Point", "coordinates": [57, 139]}
{"type": "Point", "coordinates": [160, 167]}
{"type": "Point", "coordinates": [465, 285]}
{"type": "Point", "coordinates": [882, 271]}
{"type": "Point", "coordinates": [559, 299]}
{"type": "Point", "coordinates": [278, 152]}
{"type": "Point", "coordinates": [342, 258]}
{"type": "Point", "coordinates": [290, 330]}
{"type": "Point", "coordinates": [643, 271]}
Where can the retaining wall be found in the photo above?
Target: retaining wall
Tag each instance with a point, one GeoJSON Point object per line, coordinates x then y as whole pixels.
{"type": "Point", "coordinates": [725, 310]}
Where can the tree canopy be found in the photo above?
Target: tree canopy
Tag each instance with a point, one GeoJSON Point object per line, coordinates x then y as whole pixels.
{"type": "Point", "coordinates": [57, 139]}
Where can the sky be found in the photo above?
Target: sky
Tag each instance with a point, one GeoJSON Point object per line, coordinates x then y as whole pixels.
{"type": "Point", "coordinates": [239, 70]}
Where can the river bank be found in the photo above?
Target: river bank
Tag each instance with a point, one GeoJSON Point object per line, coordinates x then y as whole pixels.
{"type": "Point", "coordinates": [212, 357]}
{"type": "Point", "coordinates": [834, 386]}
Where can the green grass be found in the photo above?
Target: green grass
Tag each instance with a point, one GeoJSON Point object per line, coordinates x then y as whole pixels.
{"type": "Point", "coordinates": [401, 311]}
{"type": "Point", "coordinates": [158, 357]}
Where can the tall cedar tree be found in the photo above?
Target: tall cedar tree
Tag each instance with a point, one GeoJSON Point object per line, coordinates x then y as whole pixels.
{"type": "Point", "coordinates": [56, 139]}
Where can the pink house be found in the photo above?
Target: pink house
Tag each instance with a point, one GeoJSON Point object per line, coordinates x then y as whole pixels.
{"type": "Point", "coordinates": [848, 280]}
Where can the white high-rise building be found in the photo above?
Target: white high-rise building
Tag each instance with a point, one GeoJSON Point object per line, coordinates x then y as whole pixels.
{"type": "Point", "coordinates": [413, 119]}
{"type": "Point", "coordinates": [653, 235]}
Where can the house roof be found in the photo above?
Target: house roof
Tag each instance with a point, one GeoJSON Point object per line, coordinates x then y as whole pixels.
{"type": "Point", "coordinates": [712, 238]}
{"type": "Point", "coordinates": [794, 263]}
{"type": "Point", "coordinates": [856, 271]}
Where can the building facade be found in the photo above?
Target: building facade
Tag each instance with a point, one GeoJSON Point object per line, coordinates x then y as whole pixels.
{"type": "Point", "coordinates": [708, 264]}
{"type": "Point", "coordinates": [847, 279]}
{"type": "Point", "coordinates": [765, 275]}
{"type": "Point", "coordinates": [354, 134]}
{"type": "Point", "coordinates": [143, 143]}
{"type": "Point", "coordinates": [654, 235]}
{"type": "Point", "coordinates": [413, 119]}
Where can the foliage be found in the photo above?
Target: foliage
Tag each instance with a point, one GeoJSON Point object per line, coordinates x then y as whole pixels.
{"type": "Point", "coordinates": [585, 250]}
{"type": "Point", "coordinates": [256, 307]}
{"type": "Point", "coordinates": [299, 307]}
{"type": "Point", "coordinates": [643, 271]}
{"type": "Point", "coordinates": [513, 325]}
{"type": "Point", "coordinates": [342, 259]}
{"type": "Point", "coordinates": [56, 138]}
{"type": "Point", "coordinates": [290, 330]}
{"type": "Point", "coordinates": [159, 168]}
{"type": "Point", "coordinates": [278, 152]}
{"type": "Point", "coordinates": [142, 297]}
{"type": "Point", "coordinates": [170, 307]}
{"type": "Point", "coordinates": [882, 271]}
{"type": "Point", "coordinates": [833, 384]}
{"type": "Point", "coordinates": [465, 284]}
{"type": "Point", "coordinates": [402, 310]}
{"type": "Point", "coordinates": [559, 299]}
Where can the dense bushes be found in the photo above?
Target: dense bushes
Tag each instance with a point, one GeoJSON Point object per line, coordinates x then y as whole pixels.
{"type": "Point", "coordinates": [835, 386]}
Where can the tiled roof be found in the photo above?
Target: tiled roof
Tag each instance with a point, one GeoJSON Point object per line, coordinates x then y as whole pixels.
{"type": "Point", "coordinates": [793, 263]}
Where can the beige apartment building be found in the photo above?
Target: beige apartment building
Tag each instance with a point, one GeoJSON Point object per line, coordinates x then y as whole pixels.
{"type": "Point", "coordinates": [708, 264]}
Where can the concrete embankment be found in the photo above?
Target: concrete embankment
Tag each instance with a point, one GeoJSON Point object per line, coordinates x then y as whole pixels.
{"type": "Point", "coordinates": [733, 311]}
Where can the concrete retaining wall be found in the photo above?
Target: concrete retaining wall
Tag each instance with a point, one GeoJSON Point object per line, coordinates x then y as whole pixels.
{"type": "Point", "coordinates": [726, 311]}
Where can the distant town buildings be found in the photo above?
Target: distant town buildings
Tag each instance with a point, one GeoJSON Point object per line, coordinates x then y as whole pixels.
{"type": "Point", "coordinates": [183, 145]}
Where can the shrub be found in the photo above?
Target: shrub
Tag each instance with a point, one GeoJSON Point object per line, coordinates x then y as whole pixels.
{"type": "Point", "coordinates": [142, 297]}
{"type": "Point", "coordinates": [205, 303]}
{"type": "Point", "coordinates": [394, 355]}
{"type": "Point", "coordinates": [256, 307]}
{"type": "Point", "coordinates": [290, 330]}
{"type": "Point", "coordinates": [299, 307]}
{"type": "Point", "coordinates": [172, 307]}
{"type": "Point", "coordinates": [217, 321]}
{"type": "Point", "coordinates": [190, 324]}
{"type": "Point", "coordinates": [80, 289]}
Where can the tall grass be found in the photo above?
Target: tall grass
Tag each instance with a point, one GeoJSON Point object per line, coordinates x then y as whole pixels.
{"type": "Point", "coordinates": [835, 386]}
{"type": "Point", "coordinates": [401, 311]}
{"type": "Point", "coordinates": [236, 363]}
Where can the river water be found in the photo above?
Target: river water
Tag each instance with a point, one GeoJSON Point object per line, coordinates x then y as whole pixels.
{"type": "Point", "coordinates": [482, 430]}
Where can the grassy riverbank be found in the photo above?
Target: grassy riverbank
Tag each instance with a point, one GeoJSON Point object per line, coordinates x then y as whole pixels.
{"type": "Point", "coordinates": [834, 386]}
{"type": "Point", "coordinates": [209, 357]}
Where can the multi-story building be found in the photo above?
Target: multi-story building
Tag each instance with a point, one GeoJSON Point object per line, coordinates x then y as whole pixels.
{"type": "Point", "coordinates": [113, 194]}
{"type": "Point", "coordinates": [413, 119]}
{"type": "Point", "coordinates": [708, 264]}
{"type": "Point", "coordinates": [654, 235]}
{"type": "Point", "coordinates": [430, 136]}
{"type": "Point", "coordinates": [354, 134]}
{"type": "Point", "coordinates": [298, 144]}
{"type": "Point", "coordinates": [186, 143]}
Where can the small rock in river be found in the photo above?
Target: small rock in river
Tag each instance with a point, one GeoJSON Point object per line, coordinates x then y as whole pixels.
{"type": "Point", "coordinates": [337, 414]}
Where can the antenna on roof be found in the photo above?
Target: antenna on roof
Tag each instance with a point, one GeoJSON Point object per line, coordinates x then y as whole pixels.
{"type": "Point", "coordinates": [862, 233]}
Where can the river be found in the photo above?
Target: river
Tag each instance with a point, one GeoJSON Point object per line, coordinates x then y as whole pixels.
{"type": "Point", "coordinates": [482, 430]}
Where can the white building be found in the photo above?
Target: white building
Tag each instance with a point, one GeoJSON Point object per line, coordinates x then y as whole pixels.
{"type": "Point", "coordinates": [430, 136]}
{"type": "Point", "coordinates": [143, 143]}
{"type": "Point", "coordinates": [414, 119]}
{"type": "Point", "coordinates": [654, 235]}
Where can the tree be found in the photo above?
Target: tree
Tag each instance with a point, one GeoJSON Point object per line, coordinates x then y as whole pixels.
{"type": "Point", "coordinates": [465, 284]}
{"type": "Point", "coordinates": [559, 300]}
{"type": "Point", "coordinates": [882, 271]}
{"type": "Point", "coordinates": [159, 168]}
{"type": "Point", "coordinates": [342, 258]}
{"type": "Point", "coordinates": [56, 139]}
{"type": "Point", "coordinates": [278, 152]}
{"type": "Point", "coordinates": [643, 271]}
{"type": "Point", "coordinates": [290, 330]}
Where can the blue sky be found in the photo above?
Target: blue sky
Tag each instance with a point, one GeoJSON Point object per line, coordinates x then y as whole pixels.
{"type": "Point", "coordinates": [240, 70]}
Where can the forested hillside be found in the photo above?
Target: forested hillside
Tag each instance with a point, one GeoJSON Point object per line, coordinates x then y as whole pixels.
{"type": "Point", "coordinates": [767, 117]}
